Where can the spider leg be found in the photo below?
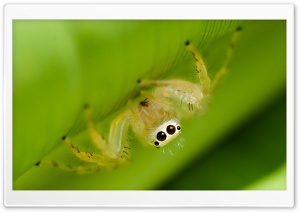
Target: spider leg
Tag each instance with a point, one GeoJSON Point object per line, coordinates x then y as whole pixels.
{"type": "Point", "coordinates": [223, 70]}
{"type": "Point", "coordinates": [86, 156]}
{"type": "Point", "coordinates": [118, 136]}
{"type": "Point", "coordinates": [93, 160]}
{"type": "Point", "coordinates": [117, 141]}
{"type": "Point", "coordinates": [200, 67]}
{"type": "Point", "coordinates": [111, 153]}
{"type": "Point", "coordinates": [79, 169]}
{"type": "Point", "coordinates": [98, 140]}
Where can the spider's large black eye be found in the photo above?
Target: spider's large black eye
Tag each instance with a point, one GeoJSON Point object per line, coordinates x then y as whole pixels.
{"type": "Point", "coordinates": [161, 136]}
{"type": "Point", "coordinates": [171, 129]}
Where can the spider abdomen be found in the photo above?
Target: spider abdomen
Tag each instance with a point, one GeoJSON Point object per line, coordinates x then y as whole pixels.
{"type": "Point", "coordinates": [183, 93]}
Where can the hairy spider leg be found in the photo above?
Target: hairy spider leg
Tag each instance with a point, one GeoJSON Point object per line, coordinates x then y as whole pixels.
{"type": "Point", "coordinates": [118, 136]}
{"type": "Point", "coordinates": [87, 156]}
{"type": "Point", "coordinates": [224, 69]}
{"type": "Point", "coordinates": [79, 169]}
{"type": "Point", "coordinates": [92, 158]}
{"type": "Point", "coordinates": [118, 144]}
{"type": "Point", "coordinates": [98, 140]}
{"type": "Point", "coordinates": [117, 147]}
{"type": "Point", "coordinates": [201, 68]}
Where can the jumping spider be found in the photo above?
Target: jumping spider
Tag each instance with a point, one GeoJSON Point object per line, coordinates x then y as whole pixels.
{"type": "Point", "coordinates": [155, 120]}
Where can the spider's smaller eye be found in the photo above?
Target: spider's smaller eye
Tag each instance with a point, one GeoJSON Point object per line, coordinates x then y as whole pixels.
{"type": "Point", "coordinates": [156, 143]}
{"type": "Point", "coordinates": [161, 136]}
{"type": "Point", "coordinates": [178, 128]}
{"type": "Point", "coordinates": [171, 129]}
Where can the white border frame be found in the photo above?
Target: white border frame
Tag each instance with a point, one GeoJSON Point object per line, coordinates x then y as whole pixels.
{"type": "Point", "coordinates": [145, 198]}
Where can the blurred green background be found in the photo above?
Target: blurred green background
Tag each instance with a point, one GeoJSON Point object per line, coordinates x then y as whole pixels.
{"type": "Point", "coordinates": [58, 66]}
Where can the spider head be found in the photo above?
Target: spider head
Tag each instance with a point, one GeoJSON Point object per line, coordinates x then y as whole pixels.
{"type": "Point", "coordinates": [165, 133]}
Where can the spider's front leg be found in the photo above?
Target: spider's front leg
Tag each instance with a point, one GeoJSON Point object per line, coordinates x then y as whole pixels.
{"type": "Point", "coordinates": [224, 69]}
{"type": "Point", "coordinates": [200, 68]}
{"type": "Point", "coordinates": [117, 146]}
{"type": "Point", "coordinates": [112, 153]}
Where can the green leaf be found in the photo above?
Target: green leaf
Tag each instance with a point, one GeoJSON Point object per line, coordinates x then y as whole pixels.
{"type": "Point", "coordinates": [61, 65]}
{"type": "Point", "coordinates": [274, 181]}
